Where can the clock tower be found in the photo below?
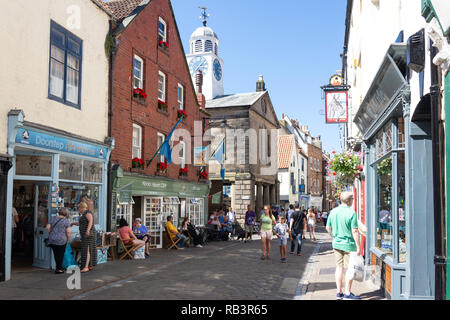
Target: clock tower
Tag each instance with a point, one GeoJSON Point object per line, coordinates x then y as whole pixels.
{"type": "Point", "coordinates": [204, 49]}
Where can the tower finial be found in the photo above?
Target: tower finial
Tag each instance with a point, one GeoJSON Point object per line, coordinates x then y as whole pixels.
{"type": "Point", "coordinates": [204, 15]}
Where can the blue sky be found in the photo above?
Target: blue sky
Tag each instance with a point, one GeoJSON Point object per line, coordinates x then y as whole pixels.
{"type": "Point", "coordinates": [295, 44]}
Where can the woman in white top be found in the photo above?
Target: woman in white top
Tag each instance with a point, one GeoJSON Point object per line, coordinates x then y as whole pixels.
{"type": "Point", "coordinates": [311, 223]}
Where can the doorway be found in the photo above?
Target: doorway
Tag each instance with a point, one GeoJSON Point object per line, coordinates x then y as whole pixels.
{"type": "Point", "coordinates": [31, 211]}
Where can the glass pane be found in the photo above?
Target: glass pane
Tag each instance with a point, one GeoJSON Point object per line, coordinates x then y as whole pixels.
{"type": "Point", "coordinates": [70, 168]}
{"type": "Point", "coordinates": [92, 171]}
{"type": "Point", "coordinates": [74, 46]}
{"type": "Point", "coordinates": [401, 207]}
{"type": "Point", "coordinates": [57, 37]}
{"type": "Point", "coordinates": [56, 79]}
{"type": "Point", "coordinates": [388, 138]}
{"type": "Point", "coordinates": [73, 194]}
{"type": "Point", "coordinates": [57, 54]}
{"type": "Point", "coordinates": [384, 205]}
{"type": "Point", "coordinates": [72, 86]}
{"type": "Point", "coordinates": [379, 145]}
{"type": "Point", "coordinates": [33, 165]}
{"type": "Point", "coordinates": [401, 133]}
{"type": "Point", "coordinates": [73, 62]}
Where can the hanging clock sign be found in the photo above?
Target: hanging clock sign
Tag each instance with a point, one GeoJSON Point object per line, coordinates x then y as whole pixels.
{"type": "Point", "coordinates": [336, 80]}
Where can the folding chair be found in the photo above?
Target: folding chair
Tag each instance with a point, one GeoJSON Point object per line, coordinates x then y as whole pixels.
{"type": "Point", "coordinates": [174, 242]}
{"type": "Point", "coordinates": [127, 248]}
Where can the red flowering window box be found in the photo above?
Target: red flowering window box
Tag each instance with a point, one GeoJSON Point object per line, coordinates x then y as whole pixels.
{"type": "Point", "coordinates": [139, 93]}
{"type": "Point", "coordinates": [163, 44]}
{"type": "Point", "coordinates": [161, 167]}
{"type": "Point", "coordinates": [203, 174]}
{"type": "Point", "coordinates": [137, 163]}
{"type": "Point", "coordinates": [163, 106]}
{"type": "Point", "coordinates": [183, 172]}
{"type": "Point", "coordinates": [181, 113]}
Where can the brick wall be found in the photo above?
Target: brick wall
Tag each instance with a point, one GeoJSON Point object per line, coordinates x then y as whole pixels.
{"type": "Point", "coordinates": [141, 38]}
{"type": "Point", "coordinates": [315, 174]}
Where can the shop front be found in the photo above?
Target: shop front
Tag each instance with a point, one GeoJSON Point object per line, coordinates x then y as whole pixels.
{"type": "Point", "coordinates": [398, 184]}
{"type": "Point", "coordinates": [50, 170]}
{"type": "Point", "coordinates": [153, 199]}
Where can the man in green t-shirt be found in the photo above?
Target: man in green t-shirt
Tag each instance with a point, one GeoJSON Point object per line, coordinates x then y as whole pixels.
{"type": "Point", "coordinates": [342, 225]}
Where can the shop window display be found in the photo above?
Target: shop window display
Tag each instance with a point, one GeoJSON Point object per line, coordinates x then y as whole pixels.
{"type": "Point", "coordinates": [73, 194]}
{"type": "Point", "coordinates": [70, 168]}
{"type": "Point", "coordinates": [401, 207]}
{"type": "Point", "coordinates": [384, 206]}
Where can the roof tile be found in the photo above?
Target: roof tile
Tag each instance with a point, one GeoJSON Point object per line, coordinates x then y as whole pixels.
{"type": "Point", "coordinates": [285, 144]}
{"type": "Point", "coordinates": [121, 8]}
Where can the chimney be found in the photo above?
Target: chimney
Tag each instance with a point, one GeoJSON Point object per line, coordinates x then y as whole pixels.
{"type": "Point", "coordinates": [260, 84]}
{"type": "Point", "coordinates": [198, 87]}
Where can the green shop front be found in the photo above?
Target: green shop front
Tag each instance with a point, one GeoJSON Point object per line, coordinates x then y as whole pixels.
{"type": "Point", "coordinates": [154, 198]}
{"type": "Point", "coordinates": [399, 197]}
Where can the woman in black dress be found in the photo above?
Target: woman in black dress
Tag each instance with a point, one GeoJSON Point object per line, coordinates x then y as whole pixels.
{"type": "Point", "coordinates": [88, 238]}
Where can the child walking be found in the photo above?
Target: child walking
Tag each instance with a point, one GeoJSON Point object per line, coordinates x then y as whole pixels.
{"type": "Point", "coordinates": [282, 229]}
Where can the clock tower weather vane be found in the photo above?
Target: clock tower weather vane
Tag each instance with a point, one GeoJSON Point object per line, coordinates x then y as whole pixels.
{"type": "Point", "coordinates": [204, 15]}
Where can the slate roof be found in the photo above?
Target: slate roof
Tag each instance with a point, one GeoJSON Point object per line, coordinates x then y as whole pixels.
{"type": "Point", "coordinates": [285, 144]}
{"type": "Point", "coordinates": [235, 100]}
{"type": "Point", "coordinates": [120, 9]}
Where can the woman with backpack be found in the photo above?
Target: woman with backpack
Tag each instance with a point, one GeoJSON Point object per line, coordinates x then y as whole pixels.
{"type": "Point", "coordinates": [58, 236]}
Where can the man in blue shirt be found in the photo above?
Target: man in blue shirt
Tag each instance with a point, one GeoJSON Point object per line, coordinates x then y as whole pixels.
{"type": "Point", "coordinates": [141, 232]}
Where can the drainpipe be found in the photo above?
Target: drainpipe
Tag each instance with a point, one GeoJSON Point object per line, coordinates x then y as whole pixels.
{"type": "Point", "coordinates": [110, 124]}
{"type": "Point", "coordinates": [439, 257]}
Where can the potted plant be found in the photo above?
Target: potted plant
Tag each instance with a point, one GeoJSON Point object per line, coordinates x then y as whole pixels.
{"type": "Point", "coordinates": [139, 93]}
{"type": "Point", "coordinates": [203, 174]}
{"type": "Point", "coordinates": [181, 113]}
{"type": "Point", "coordinates": [137, 163]}
{"type": "Point", "coordinates": [161, 167]}
{"type": "Point", "coordinates": [163, 44]}
{"type": "Point", "coordinates": [163, 106]}
{"type": "Point", "coordinates": [345, 167]}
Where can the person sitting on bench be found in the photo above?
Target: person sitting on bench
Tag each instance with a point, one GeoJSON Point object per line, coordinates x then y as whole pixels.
{"type": "Point", "coordinates": [174, 233]}
{"type": "Point", "coordinates": [226, 229]}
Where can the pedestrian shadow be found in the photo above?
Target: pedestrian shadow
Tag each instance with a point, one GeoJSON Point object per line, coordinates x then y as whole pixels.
{"type": "Point", "coordinates": [373, 295]}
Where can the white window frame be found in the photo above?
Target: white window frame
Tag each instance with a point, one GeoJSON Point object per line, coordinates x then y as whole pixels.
{"type": "Point", "coordinates": [163, 36]}
{"type": "Point", "coordinates": [160, 135]}
{"type": "Point", "coordinates": [180, 99]}
{"type": "Point", "coordinates": [139, 128]}
{"type": "Point", "coordinates": [162, 94]}
{"type": "Point", "coordinates": [183, 158]}
{"type": "Point", "coordinates": [195, 211]}
{"type": "Point", "coordinates": [141, 80]}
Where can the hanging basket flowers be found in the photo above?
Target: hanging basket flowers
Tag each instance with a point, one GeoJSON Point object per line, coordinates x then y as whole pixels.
{"type": "Point", "coordinates": [137, 163]}
{"type": "Point", "coordinates": [161, 167]}
{"type": "Point", "coordinates": [162, 106]}
{"type": "Point", "coordinates": [181, 113]}
{"type": "Point", "coordinates": [203, 174]}
{"type": "Point", "coordinates": [139, 93]}
{"type": "Point", "coordinates": [163, 44]}
{"type": "Point", "coordinates": [183, 172]}
{"type": "Point", "coordinates": [346, 167]}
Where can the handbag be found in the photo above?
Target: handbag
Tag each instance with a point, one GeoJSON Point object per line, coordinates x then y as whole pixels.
{"type": "Point", "coordinates": [46, 239]}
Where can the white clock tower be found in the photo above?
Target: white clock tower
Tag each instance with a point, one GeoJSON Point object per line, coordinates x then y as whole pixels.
{"type": "Point", "coordinates": [204, 48]}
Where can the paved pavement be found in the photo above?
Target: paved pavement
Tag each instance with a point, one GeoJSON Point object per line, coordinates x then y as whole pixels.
{"type": "Point", "coordinates": [219, 271]}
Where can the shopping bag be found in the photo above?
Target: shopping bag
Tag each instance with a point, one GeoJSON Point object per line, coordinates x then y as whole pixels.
{"type": "Point", "coordinates": [69, 259]}
{"type": "Point", "coordinates": [355, 269]}
{"type": "Point", "coordinates": [139, 254]}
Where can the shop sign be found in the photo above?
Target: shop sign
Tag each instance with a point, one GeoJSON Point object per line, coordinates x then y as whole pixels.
{"type": "Point", "coordinates": [336, 106]}
{"type": "Point", "coordinates": [38, 139]}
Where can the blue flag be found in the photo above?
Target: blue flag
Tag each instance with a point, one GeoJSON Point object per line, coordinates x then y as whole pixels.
{"type": "Point", "coordinates": [165, 150]}
{"type": "Point", "coordinates": [219, 155]}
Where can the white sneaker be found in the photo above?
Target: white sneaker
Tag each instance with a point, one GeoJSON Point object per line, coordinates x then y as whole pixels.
{"type": "Point", "coordinates": [199, 246]}
{"type": "Point", "coordinates": [181, 248]}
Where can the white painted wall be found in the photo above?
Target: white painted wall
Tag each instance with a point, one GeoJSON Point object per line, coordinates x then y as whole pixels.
{"type": "Point", "coordinates": [24, 65]}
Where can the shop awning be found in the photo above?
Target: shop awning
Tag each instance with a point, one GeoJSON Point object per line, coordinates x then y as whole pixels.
{"type": "Point", "coordinates": [385, 88]}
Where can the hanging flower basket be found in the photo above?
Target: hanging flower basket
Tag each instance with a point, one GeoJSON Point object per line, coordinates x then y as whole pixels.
{"type": "Point", "coordinates": [163, 44]}
{"type": "Point", "coordinates": [163, 106]}
{"type": "Point", "coordinates": [139, 93]}
{"type": "Point", "coordinates": [161, 167]}
{"type": "Point", "coordinates": [181, 113]}
{"type": "Point", "coordinates": [137, 163]}
{"type": "Point", "coordinates": [183, 172]}
{"type": "Point", "coordinates": [345, 167]}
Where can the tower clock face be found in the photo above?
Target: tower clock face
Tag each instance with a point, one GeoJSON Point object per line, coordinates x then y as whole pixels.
{"type": "Point", "coordinates": [198, 63]}
{"type": "Point", "coordinates": [217, 70]}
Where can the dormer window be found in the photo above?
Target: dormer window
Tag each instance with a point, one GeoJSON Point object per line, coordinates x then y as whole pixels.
{"type": "Point", "coordinates": [162, 30]}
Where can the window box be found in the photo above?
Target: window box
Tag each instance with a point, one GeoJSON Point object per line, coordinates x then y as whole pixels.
{"type": "Point", "coordinates": [163, 106]}
{"type": "Point", "coordinates": [138, 163]}
{"type": "Point", "coordinates": [164, 45]}
{"type": "Point", "coordinates": [183, 172]}
{"type": "Point", "coordinates": [203, 174]}
{"type": "Point", "coordinates": [181, 113]}
{"type": "Point", "coordinates": [139, 93]}
{"type": "Point", "coordinates": [161, 167]}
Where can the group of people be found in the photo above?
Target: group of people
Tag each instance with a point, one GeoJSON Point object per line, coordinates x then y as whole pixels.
{"type": "Point", "coordinates": [225, 222]}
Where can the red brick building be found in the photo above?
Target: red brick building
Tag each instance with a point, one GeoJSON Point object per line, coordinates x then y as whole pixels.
{"type": "Point", "coordinates": [151, 83]}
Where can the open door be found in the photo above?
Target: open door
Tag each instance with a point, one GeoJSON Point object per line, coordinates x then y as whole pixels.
{"type": "Point", "coordinates": [42, 254]}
